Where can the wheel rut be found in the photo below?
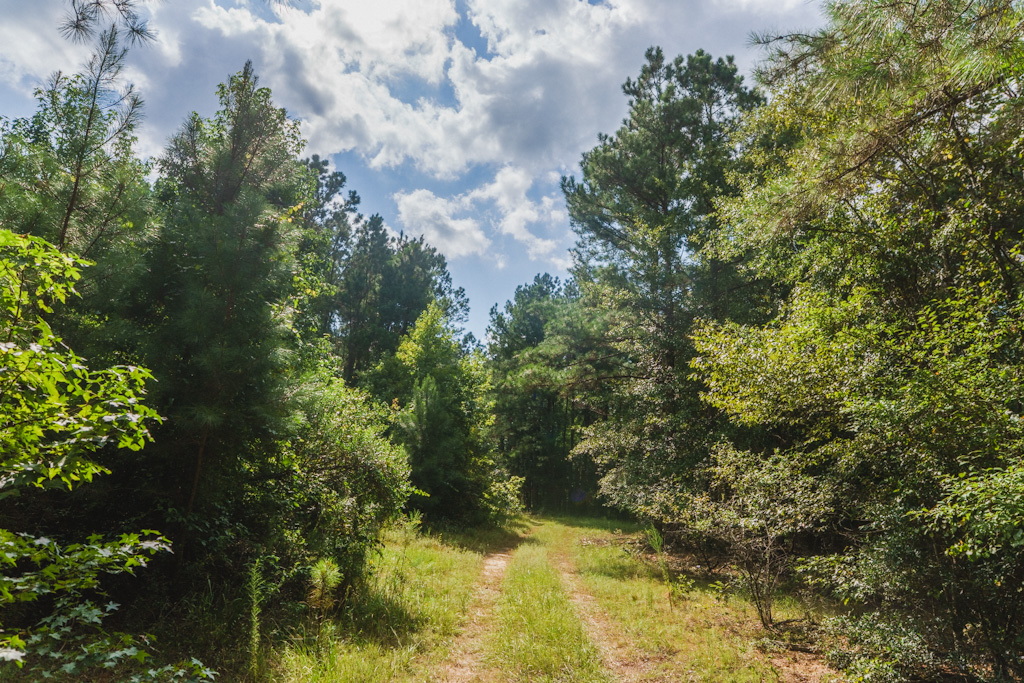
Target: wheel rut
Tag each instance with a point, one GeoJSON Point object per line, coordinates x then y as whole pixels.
{"type": "Point", "coordinates": [618, 655]}
{"type": "Point", "coordinates": [466, 663]}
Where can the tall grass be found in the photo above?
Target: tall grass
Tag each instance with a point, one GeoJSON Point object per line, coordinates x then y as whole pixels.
{"type": "Point", "coordinates": [255, 589]}
{"type": "Point", "coordinates": [539, 635]}
{"type": "Point", "coordinates": [414, 599]}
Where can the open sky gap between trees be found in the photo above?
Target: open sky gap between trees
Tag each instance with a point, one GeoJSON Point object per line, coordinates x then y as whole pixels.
{"type": "Point", "coordinates": [243, 433]}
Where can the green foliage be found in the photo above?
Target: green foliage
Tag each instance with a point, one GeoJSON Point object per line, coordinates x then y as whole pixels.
{"type": "Point", "coordinates": [83, 18]}
{"type": "Point", "coordinates": [879, 650]}
{"type": "Point", "coordinates": [213, 295]}
{"type": "Point", "coordinates": [654, 539]}
{"type": "Point", "coordinates": [71, 175]}
{"type": "Point", "coordinates": [644, 215]}
{"type": "Point", "coordinates": [55, 410]}
{"type": "Point", "coordinates": [54, 414]}
{"type": "Point", "coordinates": [657, 543]}
{"type": "Point", "coordinates": [379, 286]}
{"type": "Point", "coordinates": [228, 278]}
{"type": "Point", "coordinates": [503, 499]}
{"type": "Point", "coordinates": [342, 480]}
{"type": "Point", "coordinates": [255, 589]}
{"type": "Point", "coordinates": [441, 393]}
{"type": "Point", "coordinates": [324, 579]}
{"type": "Point", "coordinates": [536, 420]}
{"type": "Point", "coordinates": [887, 388]}
{"type": "Point", "coordinates": [983, 512]}
{"type": "Point", "coordinates": [680, 588]}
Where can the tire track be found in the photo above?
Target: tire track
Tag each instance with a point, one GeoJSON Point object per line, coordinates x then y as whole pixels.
{"type": "Point", "coordinates": [465, 662]}
{"type": "Point", "coordinates": [618, 655]}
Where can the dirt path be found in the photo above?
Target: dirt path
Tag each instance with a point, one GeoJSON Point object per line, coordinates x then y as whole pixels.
{"type": "Point", "coordinates": [619, 656]}
{"type": "Point", "coordinates": [465, 662]}
{"type": "Point", "coordinates": [621, 659]}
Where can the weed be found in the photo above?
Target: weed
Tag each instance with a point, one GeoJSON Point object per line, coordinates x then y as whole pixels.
{"type": "Point", "coordinates": [720, 590]}
{"type": "Point", "coordinates": [680, 588]}
{"type": "Point", "coordinates": [255, 592]}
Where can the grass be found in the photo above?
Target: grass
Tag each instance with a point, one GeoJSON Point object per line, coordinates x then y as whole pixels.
{"type": "Point", "coordinates": [414, 601]}
{"type": "Point", "coordinates": [539, 636]}
{"type": "Point", "coordinates": [414, 604]}
{"type": "Point", "coordinates": [706, 636]}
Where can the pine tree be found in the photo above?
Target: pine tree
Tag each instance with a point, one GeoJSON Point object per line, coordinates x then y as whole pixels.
{"type": "Point", "coordinates": [644, 212]}
{"type": "Point", "coordinates": [220, 271]}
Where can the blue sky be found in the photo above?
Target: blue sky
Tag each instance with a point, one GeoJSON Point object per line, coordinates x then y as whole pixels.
{"type": "Point", "coordinates": [454, 119]}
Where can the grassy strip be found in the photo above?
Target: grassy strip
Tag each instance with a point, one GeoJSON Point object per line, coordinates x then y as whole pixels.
{"type": "Point", "coordinates": [539, 635]}
{"type": "Point", "coordinates": [415, 599]}
{"type": "Point", "coordinates": [706, 636]}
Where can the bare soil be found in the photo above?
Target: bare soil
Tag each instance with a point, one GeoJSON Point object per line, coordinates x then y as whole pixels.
{"type": "Point", "coordinates": [618, 655]}
{"type": "Point", "coordinates": [465, 663]}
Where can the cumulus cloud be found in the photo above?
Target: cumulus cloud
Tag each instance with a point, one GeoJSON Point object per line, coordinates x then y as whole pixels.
{"type": "Point", "coordinates": [407, 89]}
{"type": "Point", "coordinates": [390, 80]}
{"type": "Point", "coordinates": [508, 193]}
{"type": "Point", "coordinates": [32, 47]}
{"type": "Point", "coordinates": [503, 205]}
{"type": "Point", "coordinates": [423, 212]}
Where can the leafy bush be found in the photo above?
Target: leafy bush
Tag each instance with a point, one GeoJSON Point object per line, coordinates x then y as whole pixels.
{"type": "Point", "coordinates": [503, 498]}
{"type": "Point", "coordinates": [876, 649]}
{"type": "Point", "coordinates": [342, 479]}
{"type": "Point", "coordinates": [54, 413]}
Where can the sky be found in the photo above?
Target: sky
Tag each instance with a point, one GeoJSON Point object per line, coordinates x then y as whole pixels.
{"type": "Point", "coordinates": [452, 119]}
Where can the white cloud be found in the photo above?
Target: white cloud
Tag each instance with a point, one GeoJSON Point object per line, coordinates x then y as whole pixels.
{"type": "Point", "coordinates": [31, 47]}
{"type": "Point", "coordinates": [503, 203]}
{"type": "Point", "coordinates": [389, 82]}
{"type": "Point", "coordinates": [508, 192]}
{"type": "Point", "coordinates": [423, 212]}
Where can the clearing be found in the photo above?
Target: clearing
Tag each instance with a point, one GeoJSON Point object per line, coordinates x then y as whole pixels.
{"type": "Point", "coordinates": [558, 600]}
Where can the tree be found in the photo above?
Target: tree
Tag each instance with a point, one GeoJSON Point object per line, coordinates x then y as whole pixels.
{"type": "Point", "coordinates": [71, 177]}
{"type": "Point", "coordinates": [535, 421]}
{"type": "Point", "coordinates": [325, 244]}
{"type": "Point", "coordinates": [890, 376]}
{"type": "Point", "coordinates": [644, 212]}
{"type": "Point", "coordinates": [442, 395]}
{"type": "Point", "coordinates": [335, 484]}
{"type": "Point", "coordinates": [85, 18]}
{"type": "Point", "coordinates": [385, 284]}
{"type": "Point", "coordinates": [219, 272]}
{"type": "Point", "coordinates": [55, 412]}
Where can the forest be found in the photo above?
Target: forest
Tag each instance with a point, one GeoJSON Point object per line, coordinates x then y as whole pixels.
{"type": "Point", "coordinates": [239, 419]}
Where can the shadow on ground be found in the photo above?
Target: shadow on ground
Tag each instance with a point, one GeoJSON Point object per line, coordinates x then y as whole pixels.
{"type": "Point", "coordinates": [487, 540]}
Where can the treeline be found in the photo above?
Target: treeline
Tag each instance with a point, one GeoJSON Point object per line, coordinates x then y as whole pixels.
{"type": "Point", "coordinates": [257, 371]}
{"type": "Point", "coordinates": [792, 335]}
